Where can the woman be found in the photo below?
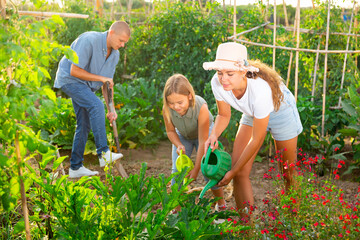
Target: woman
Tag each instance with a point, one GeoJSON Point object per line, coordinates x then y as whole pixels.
{"type": "Point", "coordinates": [257, 91]}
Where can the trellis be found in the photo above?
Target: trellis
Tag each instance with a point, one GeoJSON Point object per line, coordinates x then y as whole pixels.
{"type": "Point", "coordinates": [296, 30]}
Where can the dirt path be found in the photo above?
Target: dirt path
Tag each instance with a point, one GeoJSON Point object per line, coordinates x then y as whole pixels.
{"type": "Point", "coordinates": [159, 161]}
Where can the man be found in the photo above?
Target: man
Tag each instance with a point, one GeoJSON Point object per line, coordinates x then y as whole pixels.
{"type": "Point", "coordinates": [98, 56]}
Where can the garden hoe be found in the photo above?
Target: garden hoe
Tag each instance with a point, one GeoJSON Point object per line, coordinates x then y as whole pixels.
{"type": "Point", "coordinates": [110, 103]}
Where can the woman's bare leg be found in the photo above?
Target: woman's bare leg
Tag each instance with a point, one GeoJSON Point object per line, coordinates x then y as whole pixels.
{"type": "Point", "coordinates": [243, 192]}
{"type": "Point", "coordinates": [288, 149]}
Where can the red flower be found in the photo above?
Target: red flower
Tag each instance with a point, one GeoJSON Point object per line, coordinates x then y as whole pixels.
{"type": "Point", "coordinates": [315, 224]}
{"type": "Point", "coordinates": [336, 149]}
{"type": "Point", "coordinates": [264, 231]}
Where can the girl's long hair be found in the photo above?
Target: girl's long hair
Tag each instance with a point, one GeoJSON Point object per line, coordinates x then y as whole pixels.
{"type": "Point", "coordinates": [271, 77]}
{"type": "Point", "coordinates": [179, 84]}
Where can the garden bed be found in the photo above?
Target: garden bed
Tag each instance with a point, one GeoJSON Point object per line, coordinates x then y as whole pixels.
{"type": "Point", "coordinates": [158, 161]}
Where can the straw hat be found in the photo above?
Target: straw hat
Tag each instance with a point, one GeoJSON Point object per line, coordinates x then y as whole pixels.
{"type": "Point", "coordinates": [230, 56]}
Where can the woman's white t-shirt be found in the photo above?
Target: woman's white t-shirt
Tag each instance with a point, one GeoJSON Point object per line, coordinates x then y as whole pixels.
{"type": "Point", "coordinates": [257, 100]}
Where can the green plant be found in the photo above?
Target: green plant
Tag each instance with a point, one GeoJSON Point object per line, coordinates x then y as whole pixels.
{"type": "Point", "coordinates": [314, 208]}
{"type": "Point", "coordinates": [177, 40]}
{"type": "Point", "coordinates": [26, 49]}
{"type": "Point", "coordinates": [134, 208]}
{"type": "Point", "coordinates": [138, 106]}
{"type": "Point", "coordinates": [55, 119]}
{"type": "Point", "coordinates": [351, 107]}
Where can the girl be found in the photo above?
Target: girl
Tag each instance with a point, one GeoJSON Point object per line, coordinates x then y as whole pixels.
{"type": "Point", "coordinates": [258, 92]}
{"type": "Point", "coordinates": [188, 123]}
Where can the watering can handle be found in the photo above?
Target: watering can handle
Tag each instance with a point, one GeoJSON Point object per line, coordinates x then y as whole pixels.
{"type": "Point", "coordinates": [207, 155]}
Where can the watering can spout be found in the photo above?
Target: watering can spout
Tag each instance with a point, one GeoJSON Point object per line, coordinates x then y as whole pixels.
{"type": "Point", "coordinates": [214, 166]}
{"type": "Point", "coordinates": [209, 185]}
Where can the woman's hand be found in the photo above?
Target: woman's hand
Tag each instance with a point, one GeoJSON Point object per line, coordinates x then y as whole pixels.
{"type": "Point", "coordinates": [226, 179]}
{"type": "Point", "coordinates": [211, 142]}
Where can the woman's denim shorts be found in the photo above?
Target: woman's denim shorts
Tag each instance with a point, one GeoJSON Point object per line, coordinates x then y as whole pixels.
{"type": "Point", "coordinates": [284, 124]}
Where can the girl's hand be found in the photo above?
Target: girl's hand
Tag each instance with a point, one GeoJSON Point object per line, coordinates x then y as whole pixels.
{"type": "Point", "coordinates": [193, 174]}
{"type": "Point", "coordinates": [226, 179]}
{"type": "Point", "coordinates": [180, 147]}
{"type": "Point", "coordinates": [211, 142]}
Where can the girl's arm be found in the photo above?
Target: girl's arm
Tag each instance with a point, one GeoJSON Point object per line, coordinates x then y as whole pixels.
{"type": "Point", "coordinates": [221, 122]}
{"type": "Point", "coordinates": [258, 136]}
{"type": "Point", "coordinates": [172, 135]}
{"type": "Point", "coordinates": [203, 134]}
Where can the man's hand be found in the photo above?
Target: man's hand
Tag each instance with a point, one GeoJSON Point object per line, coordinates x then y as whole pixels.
{"type": "Point", "coordinates": [110, 80]}
{"type": "Point", "coordinates": [112, 116]}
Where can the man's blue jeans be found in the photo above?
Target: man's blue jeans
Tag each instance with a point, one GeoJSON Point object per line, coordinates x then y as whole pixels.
{"type": "Point", "coordinates": [90, 114]}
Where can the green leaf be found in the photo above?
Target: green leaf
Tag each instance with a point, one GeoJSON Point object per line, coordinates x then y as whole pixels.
{"type": "Point", "coordinates": [44, 72]}
{"type": "Point", "coordinates": [57, 162]}
{"type": "Point", "coordinates": [19, 226]}
{"type": "Point", "coordinates": [349, 132]}
{"type": "Point", "coordinates": [349, 109]}
{"type": "Point", "coordinates": [58, 20]}
{"type": "Point", "coordinates": [49, 93]}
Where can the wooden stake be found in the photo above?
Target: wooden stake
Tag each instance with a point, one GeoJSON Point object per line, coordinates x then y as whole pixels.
{"type": "Point", "coordinates": [325, 73]}
{"type": "Point", "coordinates": [298, 49]}
{"type": "Point", "coordinates": [315, 71]}
{"type": "Point", "coordinates": [285, 13]}
{"type": "Point", "coordinates": [274, 35]}
{"type": "Point", "coordinates": [22, 189]}
{"type": "Point", "coordinates": [291, 53]}
{"type": "Point", "coordinates": [297, 52]}
{"type": "Point", "coordinates": [49, 14]}
{"type": "Point", "coordinates": [234, 18]}
{"type": "Point", "coordinates": [3, 8]}
{"type": "Point", "coordinates": [250, 30]}
{"type": "Point", "coordinates": [347, 48]}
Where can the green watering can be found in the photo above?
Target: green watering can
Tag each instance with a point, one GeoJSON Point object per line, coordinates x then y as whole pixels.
{"type": "Point", "coordinates": [184, 161]}
{"type": "Point", "coordinates": [214, 166]}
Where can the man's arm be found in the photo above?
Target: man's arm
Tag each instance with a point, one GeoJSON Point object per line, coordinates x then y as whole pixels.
{"type": "Point", "coordinates": [82, 74]}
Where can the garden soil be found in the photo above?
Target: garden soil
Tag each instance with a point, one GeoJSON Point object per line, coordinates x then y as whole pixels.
{"type": "Point", "coordinates": [158, 161]}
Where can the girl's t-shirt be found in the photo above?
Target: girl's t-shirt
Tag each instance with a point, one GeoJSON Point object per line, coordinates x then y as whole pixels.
{"type": "Point", "coordinates": [187, 125]}
{"type": "Point", "coordinates": [256, 102]}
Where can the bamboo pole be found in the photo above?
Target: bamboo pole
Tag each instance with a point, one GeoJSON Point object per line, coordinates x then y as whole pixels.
{"type": "Point", "coordinates": [304, 30]}
{"type": "Point", "coordinates": [49, 14]}
{"type": "Point", "coordinates": [315, 70]}
{"type": "Point", "coordinates": [112, 11]}
{"type": "Point", "coordinates": [274, 36]}
{"type": "Point", "coordinates": [285, 14]}
{"type": "Point", "coordinates": [297, 52]}
{"type": "Point", "coordinates": [99, 7]}
{"type": "Point", "coordinates": [250, 30]}
{"type": "Point", "coordinates": [22, 189]}
{"type": "Point", "coordinates": [347, 48]}
{"type": "Point", "coordinates": [298, 49]}
{"type": "Point", "coordinates": [325, 72]}
{"type": "Point", "coordinates": [3, 8]}
{"type": "Point", "coordinates": [291, 53]}
{"type": "Point", "coordinates": [234, 18]}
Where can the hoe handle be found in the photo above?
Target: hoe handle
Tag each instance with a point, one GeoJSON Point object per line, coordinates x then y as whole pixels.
{"type": "Point", "coordinates": [118, 165]}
